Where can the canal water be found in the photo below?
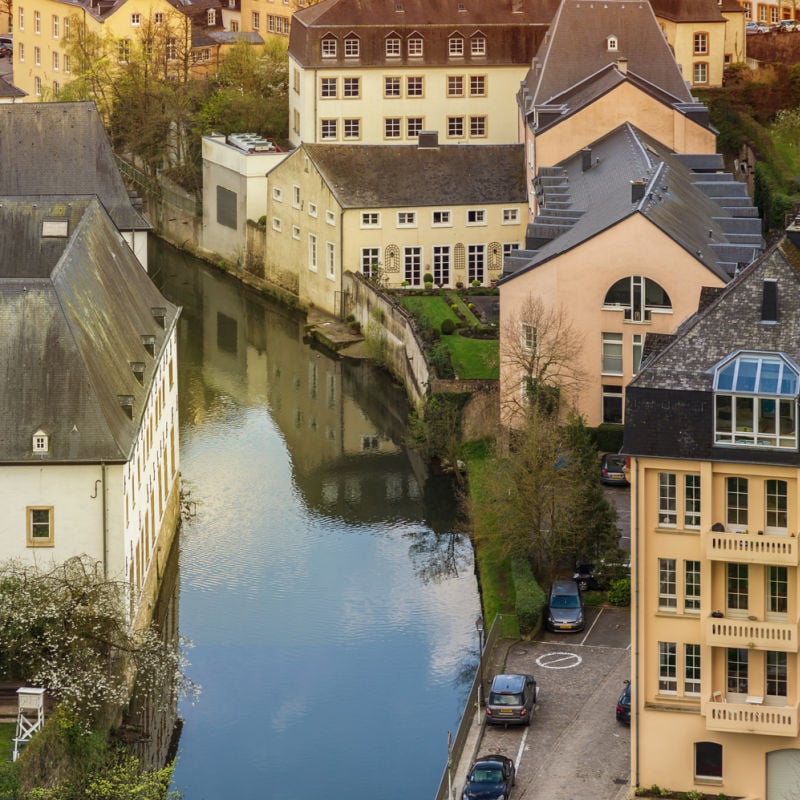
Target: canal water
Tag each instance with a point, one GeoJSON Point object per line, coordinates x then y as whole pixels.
{"type": "Point", "coordinates": [329, 599]}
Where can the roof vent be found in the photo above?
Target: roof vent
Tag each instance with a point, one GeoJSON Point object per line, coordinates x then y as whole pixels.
{"type": "Point", "coordinates": [149, 343]}
{"type": "Point", "coordinates": [138, 371]}
{"type": "Point", "coordinates": [126, 402]}
{"type": "Point", "coordinates": [159, 315]}
{"type": "Point", "coordinates": [586, 159]}
{"type": "Point", "coordinates": [622, 65]}
{"type": "Point", "coordinates": [428, 140]}
{"type": "Point", "coordinates": [769, 301]}
{"type": "Point", "coordinates": [638, 189]}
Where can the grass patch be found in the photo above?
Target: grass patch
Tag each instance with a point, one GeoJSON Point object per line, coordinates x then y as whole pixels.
{"type": "Point", "coordinates": [474, 359]}
{"type": "Point", "coordinates": [471, 319]}
{"type": "Point", "coordinates": [434, 309]}
{"type": "Point", "coordinates": [7, 731]}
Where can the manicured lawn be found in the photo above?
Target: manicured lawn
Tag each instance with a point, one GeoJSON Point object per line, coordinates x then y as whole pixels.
{"type": "Point", "coordinates": [474, 359]}
{"type": "Point", "coordinates": [433, 308]}
{"type": "Point", "coordinates": [7, 731]}
{"type": "Point", "coordinates": [468, 315]}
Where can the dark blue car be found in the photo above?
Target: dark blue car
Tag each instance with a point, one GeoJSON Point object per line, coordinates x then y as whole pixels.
{"type": "Point", "coordinates": [490, 778]}
{"type": "Point", "coordinates": [624, 705]}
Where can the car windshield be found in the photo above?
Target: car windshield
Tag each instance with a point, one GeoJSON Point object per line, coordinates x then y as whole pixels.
{"type": "Point", "coordinates": [564, 601]}
{"type": "Point", "coordinates": [615, 462]}
{"type": "Point", "coordinates": [484, 775]}
{"type": "Point", "coordinates": [497, 699]}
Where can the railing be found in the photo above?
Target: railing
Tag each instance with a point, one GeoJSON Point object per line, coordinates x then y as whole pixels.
{"type": "Point", "coordinates": [767, 635]}
{"type": "Point", "coordinates": [754, 548]}
{"type": "Point", "coordinates": [749, 718]}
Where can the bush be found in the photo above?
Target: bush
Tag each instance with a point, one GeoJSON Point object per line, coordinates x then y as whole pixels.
{"type": "Point", "coordinates": [448, 326]}
{"type": "Point", "coordinates": [427, 278]}
{"type": "Point", "coordinates": [439, 359]}
{"type": "Point", "coordinates": [531, 599]}
{"type": "Point", "coordinates": [619, 592]}
{"type": "Point", "coordinates": [608, 437]}
{"type": "Point", "coordinates": [476, 283]}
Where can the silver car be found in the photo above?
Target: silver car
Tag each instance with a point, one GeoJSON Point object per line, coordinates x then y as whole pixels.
{"type": "Point", "coordinates": [511, 700]}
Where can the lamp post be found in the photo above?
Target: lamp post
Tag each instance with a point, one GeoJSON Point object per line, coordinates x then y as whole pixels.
{"type": "Point", "coordinates": [479, 628]}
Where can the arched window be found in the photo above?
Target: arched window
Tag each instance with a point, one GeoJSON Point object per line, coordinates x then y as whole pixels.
{"type": "Point", "coordinates": [638, 297]}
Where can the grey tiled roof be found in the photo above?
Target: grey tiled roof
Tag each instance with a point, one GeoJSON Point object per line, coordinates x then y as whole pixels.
{"type": "Point", "coordinates": [732, 322]}
{"type": "Point", "coordinates": [62, 149]}
{"type": "Point", "coordinates": [689, 10]}
{"type": "Point", "coordinates": [708, 214]}
{"type": "Point", "coordinates": [8, 90]}
{"type": "Point", "coordinates": [72, 310]}
{"type": "Point", "coordinates": [374, 176]}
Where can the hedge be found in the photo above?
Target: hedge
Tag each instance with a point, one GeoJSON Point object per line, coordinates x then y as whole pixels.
{"type": "Point", "coordinates": [531, 598]}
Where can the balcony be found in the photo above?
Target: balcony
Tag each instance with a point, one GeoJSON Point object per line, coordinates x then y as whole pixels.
{"type": "Point", "coordinates": [726, 632]}
{"type": "Point", "coordinates": [753, 548]}
{"type": "Point", "coordinates": [749, 718]}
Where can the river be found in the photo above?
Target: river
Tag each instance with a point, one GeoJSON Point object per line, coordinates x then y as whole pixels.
{"type": "Point", "coordinates": [329, 599]}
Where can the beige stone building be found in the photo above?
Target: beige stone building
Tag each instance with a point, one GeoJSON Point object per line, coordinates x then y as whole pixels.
{"type": "Point", "coordinates": [449, 211]}
{"type": "Point", "coordinates": [711, 430]}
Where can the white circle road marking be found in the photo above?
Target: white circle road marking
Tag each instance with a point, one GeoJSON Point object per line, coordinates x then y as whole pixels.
{"type": "Point", "coordinates": [559, 660]}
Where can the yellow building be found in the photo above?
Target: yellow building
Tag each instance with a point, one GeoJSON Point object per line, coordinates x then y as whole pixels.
{"type": "Point", "coordinates": [711, 430]}
{"type": "Point", "coordinates": [449, 211]}
{"type": "Point", "coordinates": [770, 11]}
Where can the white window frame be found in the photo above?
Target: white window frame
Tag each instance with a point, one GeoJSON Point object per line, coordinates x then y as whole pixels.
{"type": "Point", "coordinates": [667, 668]}
{"type": "Point", "coordinates": [330, 217]}
{"type": "Point", "coordinates": [330, 260]}
{"type": "Point", "coordinates": [352, 47]}
{"type": "Point", "coordinates": [415, 46]}
{"type": "Point", "coordinates": [667, 585]}
{"type": "Point", "coordinates": [510, 216]}
{"type": "Point", "coordinates": [313, 252]}
{"type": "Point", "coordinates": [441, 218]}
{"type": "Point", "coordinates": [612, 353]}
{"type": "Point", "coordinates": [692, 501]}
{"type": "Point", "coordinates": [136, 19]}
{"type": "Point", "coordinates": [406, 219]}
{"type": "Point", "coordinates": [478, 46]}
{"type": "Point", "coordinates": [476, 216]}
{"type": "Point", "coordinates": [692, 669]}
{"type": "Point", "coordinates": [328, 47]}
{"type": "Point", "coordinates": [36, 523]}
{"type": "Point", "coordinates": [392, 47]}
{"type": "Point", "coordinates": [667, 500]}
{"type": "Point", "coordinates": [691, 583]}
{"type": "Point", "coordinates": [277, 194]}
{"type": "Point", "coordinates": [370, 219]}
{"type": "Point", "coordinates": [455, 46]}
{"type": "Point", "coordinates": [312, 210]}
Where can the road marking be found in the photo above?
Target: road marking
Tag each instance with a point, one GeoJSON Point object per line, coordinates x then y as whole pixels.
{"type": "Point", "coordinates": [591, 627]}
{"type": "Point", "coordinates": [521, 748]}
{"type": "Point", "coordinates": [559, 660]}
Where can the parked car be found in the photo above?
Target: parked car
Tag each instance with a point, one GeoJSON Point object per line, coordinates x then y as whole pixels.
{"type": "Point", "coordinates": [564, 607]}
{"type": "Point", "coordinates": [756, 27]}
{"type": "Point", "coordinates": [787, 26]}
{"type": "Point", "coordinates": [490, 778]}
{"type": "Point", "coordinates": [6, 51]}
{"type": "Point", "coordinates": [511, 700]}
{"type": "Point", "coordinates": [597, 576]}
{"type": "Point", "coordinates": [624, 705]}
{"type": "Point", "coordinates": [612, 469]}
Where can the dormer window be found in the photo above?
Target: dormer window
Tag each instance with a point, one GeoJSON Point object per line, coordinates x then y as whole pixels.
{"type": "Point", "coordinates": [126, 403]}
{"type": "Point", "coordinates": [149, 343]}
{"type": "Point", "coordinates": [612, 44]}
{"type": "Point", "coordinates": [478, 45]}
{"type": "Point", "coordinates": [352, 47]}
{"type": "Point", "coordinates": [415, 46]}
{"type": "Point", "coordinates": [41, 442]}
{"type": "Point", "coordinates": [456, 46]}
{"type": "Point", "coordinates": [159, 315]}
{"type": "Point", "coordinates": [137, 367]}
{"type": "Point", "coordinates": [328, 47]}
{"type": "Point", "coordinates": [755, 401]}
{"type": "Point", "coordinates": [393, 46]}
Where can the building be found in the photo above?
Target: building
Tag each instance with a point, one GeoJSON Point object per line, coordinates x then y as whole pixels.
{"type": "Point", "coordinates": [380, 73]}
{"type": "Point", "coordinates": [600, 211]}
{"type": "Point", "coordinates": [711, 430]}
{"type": "Point", "coordinates": [770, 11]}
{"type": "Point", "coordinates": [448, 211]}
{"type": "Point", "coordinates": [89, 442]}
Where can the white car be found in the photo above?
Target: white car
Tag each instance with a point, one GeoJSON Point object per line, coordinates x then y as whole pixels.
{"type": "Point", "coordinates": [756, 27]}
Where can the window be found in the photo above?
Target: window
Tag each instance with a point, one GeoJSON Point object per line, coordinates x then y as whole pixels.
{"type": "Point", "coordinates": [777, 684]}
{"type": "Point", "coordinates": [691, 501]}
{"type": "Point", "coordinates": [441, 218]}
{"type": "Point", "coordinates": [476, 216]}
{"type": "Point", "coordinates": [708, 760]}
{"type": "Point", "coordinates": [736, 504]}
{"type": "Point", "coordinates": [312, 209]}
{"type": "Point", "coordinates": [476, 263]}
{"type": "Point", "coordinates": [37, 22]}
{"type": "Point", "coordinates": [777, 590]}
{"type": "Point", "coordinates": [123, 50]}
{"type": "Point", "coordinates": [40, 442]}
{"type": "Point", "coordinates": [667, 503]}
{"type": "Point", "coordinates": [667, 585]}
{"type": "Point", "coordinates": [777, 496]}
{"type": "Point", "coordinates": [370, 259]}
{"type": "Point", "coordinates": [328, 128]}
{"type": "Point", "coordinates": [295, 232]}
{"type": "Point", "coordinates": [21, 24]}
{"type": "Point", "coordinates": [330, 218]}
{"type": "Point", "coordinates": [352, 87]}
{"type": "Point", "coordinates": [509, 248]}
{"type": "Point", "coordinates": [737, 588]}
{"type": "Point", "coordinates": [700, 72]}
{"type": "Point", "coordinates": [737, 670]}
{"type": "Point", "coordinates": [391, 87]}
{"type": "Point", "coordinates": [413, 127]}
{"type": "Point", "coordinates": [391, 128]}
{"type": "Point", "coordinates": [370, 219]}
{"type": "Point", "coordinates": [352, 47]}
{"type": "Point", "coordinates": [612, 404]}
{"type": "Point", "coordinates": [477, 85]}
{"type": "Point", "coordinates": [312, 252]}
{"type": "Point", "coordinates": [637, 343]}
{"type": "Point", "coordinates": [667, 667]}
{"type": "Point", "coordinates": [277, 194]}
{"type": "Point", "coordinates": [37, 56]}
{"type": "Point", "coordinates": [328, 48]}
{"type": "Point", "coordinates": [406, 219]}
{"type": "Point", "coordinates": [510, 216]}
{"type": "Point", "coordinates": [455, 46]}
{"type": "Point", "coordinates": [754, 401]}
{"type": "Point", "coordinates": [66, 62]}
{"type": "Point", "coordinates": [700, 44]}
{"type": "Point", "coordinates": [528, 337]}
{"type": "Point", "coordinates": [211, 16]}
{"type": "Point", "coordinates": [55, 26]}
{"type": "Point", "coordinates": [296, 196]}
{"type": "Point", "coordinates": [352, 128]}
{"type": "Point", "coordinates": [256, 20]}
{"type": "Point", "coordinates": [37, 86]}
{"type": "Point", "coordinates": [55, 59]}
{"type": "Point", "coordinates": [691, 669]}
{"type": "Point", "coordinates": [455, 86]}
{"type": "Point", "coordinates": [441, 265]}
{"type": "Point", "coordinates": [393, 46]}
{"type": "Point", "coordinates": [330, 259]}
{"type": "Point", "coordinates": [691, 593]}
{"type": "Point", "coordinates": [612, 353]}
{"type": "Point", "coordinates": [638, 297]}
{"type": "Point", "coordinates": [477, 127]}
{"type": "Point", "coordinates": [66, 26]}
{"type": "Point", "coordinates": [412, 263]}
{"type": "Point", "coordinates": [40, 526]}
{"type": "Point", "coordinates": [56, 88]}
{"type": "Point", "coordinates": [415, 47]}
{"type": "Point", "coordinates": [478, 46]}
{"type": "Point", "coordinates": [158, 18]}
{"type": "Point", "coordinates": [136, 20]}
{"type": "Point", "coordinates": [21, 52]}
{"type": "Point", "coordinates": [276, 224]}
{"type": "Point", "coordinates": [329, 87]}
{"type": "Point", "coordinates": [414, 87]}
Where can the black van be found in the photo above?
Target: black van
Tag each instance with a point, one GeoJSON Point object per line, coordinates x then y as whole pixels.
{"type": "Point", "coordinates": [511, 700]}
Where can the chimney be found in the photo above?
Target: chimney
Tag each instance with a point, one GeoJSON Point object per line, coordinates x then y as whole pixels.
{"type": "Point", "coordinates": [637, 191]}
{"type": "Point", "coordinates": [586, 159]}
{"type": "Point", "coordinates": [622, 65]}
{"type": "Point", "coordinates": [769, 300]}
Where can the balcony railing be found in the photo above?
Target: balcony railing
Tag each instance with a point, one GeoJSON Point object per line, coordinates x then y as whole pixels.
{"type": "Point", "coordinates": [748, 718]}
{"type": "Point", "coordinates": [726, 632]}
{"type": "Point", "coordinates": [753, 548]}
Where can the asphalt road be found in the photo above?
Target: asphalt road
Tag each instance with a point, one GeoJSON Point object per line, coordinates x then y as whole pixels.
{"type": "Point", "coordinates": [620, 497]}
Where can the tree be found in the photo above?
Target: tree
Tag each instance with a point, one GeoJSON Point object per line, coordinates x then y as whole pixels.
{"type": "Point", "coordinates": [66, 629]}
{"type": "Point", "coordinates": [540, 353]}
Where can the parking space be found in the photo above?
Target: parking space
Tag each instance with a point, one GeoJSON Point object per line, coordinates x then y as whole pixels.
{"type": "Point", "coordinates": [574, 746]}
{"type": "Point", "coordinates": [620, 498]}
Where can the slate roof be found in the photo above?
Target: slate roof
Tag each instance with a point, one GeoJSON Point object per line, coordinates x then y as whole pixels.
{"type": "Point", "coordinates": [73, 310]}
{"type": "Point", "coordinates": [7, 90]}
{"type": "Point", "coordinates": [395, 176]}
{"type": "Point", "coordinates": [732, 322]}
{"type": "Point", "coordinates": [576, 47]}
{"type": "Point", "coordinates": [708, 214]}
{"type": "Point", "coordinates": [62, 149]}
{"type": "Point", "coordinates": [689, 10]}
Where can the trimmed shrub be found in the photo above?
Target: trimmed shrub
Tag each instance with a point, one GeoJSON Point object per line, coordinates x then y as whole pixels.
{"type": "Point", "coordinates": [531, 598]}
{"type": "Point", "coordinates": [619, 592]}
{"type": "Point", "coordinates": [427, 278]}
{"type": "Point", "coordinates": [448, 326]}
{"type": "Point", "coordinates": [608, 437]}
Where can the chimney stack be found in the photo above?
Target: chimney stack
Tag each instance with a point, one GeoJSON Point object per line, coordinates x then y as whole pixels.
{"type": "Point", "coordinates": [586, 159]}
{"type": "Point", "coordinates": [637, 190]}
{"type": "Point", "coordinates": [622, 65]}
